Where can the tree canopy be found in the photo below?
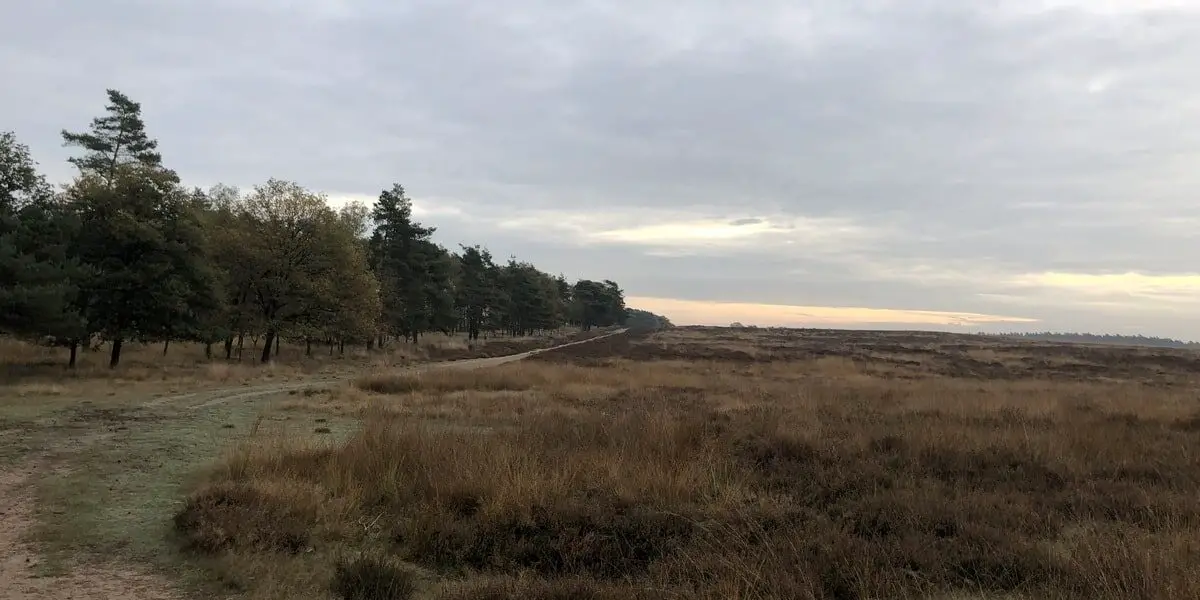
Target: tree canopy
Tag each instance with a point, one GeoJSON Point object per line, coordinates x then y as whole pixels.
{"type": "Point", "coordinates": [125, 252]}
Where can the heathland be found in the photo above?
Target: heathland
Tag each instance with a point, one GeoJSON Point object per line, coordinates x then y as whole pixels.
{"type": "Point", "coordinates": [678, 463]}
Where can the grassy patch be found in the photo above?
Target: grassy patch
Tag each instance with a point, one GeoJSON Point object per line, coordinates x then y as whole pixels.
{"type": "Point", "coordinates": [452, 380]}
{"type": "Point", "coordinates": [115, 493]}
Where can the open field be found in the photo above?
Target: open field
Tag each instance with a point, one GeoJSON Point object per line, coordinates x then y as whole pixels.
{"type": "Point", "coordinates": [92, 461]}
{"type": "Point", "coordinates": [688, 463]}
{"type": "Point", "coordinates": [721, 464]}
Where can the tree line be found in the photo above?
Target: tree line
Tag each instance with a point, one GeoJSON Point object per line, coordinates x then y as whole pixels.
{"type": "Point", "coordinates": [645, 320]}
{"type": "Point", "coordinates": [1102, 338]}
{"type": "Point", "coordinates": [125, 252]}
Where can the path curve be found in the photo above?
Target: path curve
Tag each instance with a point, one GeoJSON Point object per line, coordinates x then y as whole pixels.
{"type": "Point", "coordinates": [207, 398]}
{"type": "Point", "coordinates": [100, 581]}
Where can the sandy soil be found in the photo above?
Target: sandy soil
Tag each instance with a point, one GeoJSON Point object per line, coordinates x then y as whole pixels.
{"type": "Point", "coordinates": [19, 578]}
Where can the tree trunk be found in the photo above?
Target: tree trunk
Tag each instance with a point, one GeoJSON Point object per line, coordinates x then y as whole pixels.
{"type": "Point", "coordinates": [370, 343]}
{"type": "Point", "coordinates": [266, 353]}
{"type": "Point", "coordinates": [208, 350]}
{"type": "Point", "coordinates": [277, 346]}
{"type": "Point", "coordinates": [331, 347]}
{"type": "Point", "coordinates": [166, 345]}
{"type": "Point", "coordinates": [74, 353]}
{"type": "Point", "coordinates": [114, 359]}
{"type": "Point", "coordinates": [308, 347]}
{"type": "Point", "coordinates": [241, 339]}
{"type": "Point", "coordinates": [229, 347]}
{"type": "Point", "coordinates": [342, 347]}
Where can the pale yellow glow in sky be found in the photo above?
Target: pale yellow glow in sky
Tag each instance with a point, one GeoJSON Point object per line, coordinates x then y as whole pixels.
{"type": "Point", "coordinates": [687, 232]}
{"type": "Point", "coordinates": [697, 312]}
{"type": "Point", "coordinates": [1182, 287]}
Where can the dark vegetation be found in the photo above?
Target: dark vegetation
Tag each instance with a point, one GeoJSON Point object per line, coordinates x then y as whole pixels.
{"type": "Point", "coordinates": [690, 471]}
{"type": "Point", "coordinates": [904, 354]}
{"type": "Point", "coordinates": [1093, 338]}
{"type": "Point", "coordinates": [125, 253]}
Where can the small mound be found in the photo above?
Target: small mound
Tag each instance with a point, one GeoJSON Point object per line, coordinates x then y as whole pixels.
{"type": "Point", "coordinates": [236, 515]}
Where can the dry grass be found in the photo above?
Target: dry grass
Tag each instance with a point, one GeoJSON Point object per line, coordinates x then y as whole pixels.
{"type": "Point", "coordinates": [28, 369]}
{"type": "Point", "coordinates": [800, 468]}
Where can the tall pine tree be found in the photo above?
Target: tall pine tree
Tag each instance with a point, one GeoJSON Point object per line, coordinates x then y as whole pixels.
{"type": "Point", "coordinates": [405, 263]}
{"type": "Point", "coordinates": [114, 140]}
{"type": "Point", "coordinates": [141, 236]}
{"type": "Point", "coordinates": [475, 294]}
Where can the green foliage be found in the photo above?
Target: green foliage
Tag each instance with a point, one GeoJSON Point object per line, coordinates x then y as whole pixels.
{"type": "Point", "coordinates": [414, 273]}
{"type": "Point", "coordinates": [38, 276]}
{"type": "Point", "coordinates": [115, 140]}
{"type": "Point", "coordinates": [141, 239]}
{"type": "Point", "coordinates": [528, 299]}
{"type": "Point", "coordinates": [476, 293]}
{"type": "Point", "coordinates": [127, 253]}
{"type": "Point", "coordinates": [295, 266]}
{"type": "Point", "coordinates": [150, 277]}
{"type": "Point", "coordinates": [599, 303]}
{"type": "Point", "coordinates": [645, 320]}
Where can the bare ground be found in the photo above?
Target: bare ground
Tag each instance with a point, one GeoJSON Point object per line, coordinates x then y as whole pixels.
{"type": "Point", "coordinates": [24, 572]}
{"type": "Point", "coordinates": [204, 399]}
{"type": "Point", "coordinates": [19, 564]}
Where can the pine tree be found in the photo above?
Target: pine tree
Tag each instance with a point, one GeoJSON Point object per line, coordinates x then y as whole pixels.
{"type": "Point", "coordinates": [599, 304]}
{"type": "Point", "coordinates": [141, 238]}
{"type": "Point", "coordinates": [151, 278]}
{"type": "Point", "coordinates": [114, 140]}
{"type": "Point", "coordinates": [476, 293]}
{"type": "Point", "coordinates": [404, 261]}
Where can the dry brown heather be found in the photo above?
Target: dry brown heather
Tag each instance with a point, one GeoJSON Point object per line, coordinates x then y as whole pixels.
{"type": "Point", "coordinates": [705, 463]}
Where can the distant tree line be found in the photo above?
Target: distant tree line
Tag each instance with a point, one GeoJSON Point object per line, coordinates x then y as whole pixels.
{"type": "Point", "coordinates": [1106, 338]}
{"type": "Point", "coordinates": [125, 252]}
{"type": "Point", "coordinates": [645, 320]}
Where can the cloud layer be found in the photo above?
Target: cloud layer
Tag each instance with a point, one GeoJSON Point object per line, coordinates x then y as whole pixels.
{"type": "Point", "coordinates": [1031, 158]}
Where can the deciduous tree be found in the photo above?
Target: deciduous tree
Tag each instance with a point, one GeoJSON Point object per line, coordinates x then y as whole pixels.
{"type": "Point", "coordinates": [303, 269]}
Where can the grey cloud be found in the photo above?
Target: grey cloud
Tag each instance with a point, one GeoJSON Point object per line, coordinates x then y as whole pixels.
{"type": "Point", "coordinates": [1003, 136]}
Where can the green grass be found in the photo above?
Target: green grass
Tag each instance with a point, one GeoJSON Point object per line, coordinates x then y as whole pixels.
{"type": "Point", "coordinates": [118, 484]}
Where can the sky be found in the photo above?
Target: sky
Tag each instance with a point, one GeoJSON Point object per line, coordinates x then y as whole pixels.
{"type": "Point", "coordinates": [994, 165]}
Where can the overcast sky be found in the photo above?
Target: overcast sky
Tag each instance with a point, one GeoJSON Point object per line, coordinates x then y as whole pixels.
{"type": "Point", "coordinates": [990, 164]}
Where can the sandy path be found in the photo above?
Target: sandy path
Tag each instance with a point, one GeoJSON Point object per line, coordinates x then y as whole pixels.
{"type": "Point", "coordinates": [204, 399]}
{"type": "Point", "coordinates": [19, 561]}
{"type": "Point", "coordinates": [19, 578]}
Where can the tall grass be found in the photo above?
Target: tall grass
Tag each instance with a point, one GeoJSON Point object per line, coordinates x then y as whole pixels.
{"type": "Point", "coordinates": [672, 479]}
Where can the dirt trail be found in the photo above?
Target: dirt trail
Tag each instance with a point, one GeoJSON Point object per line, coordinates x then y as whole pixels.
{"type": "Point", "coordinates": [19, 577]}
{"type": "Point", "coordinates": [204, 399]}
